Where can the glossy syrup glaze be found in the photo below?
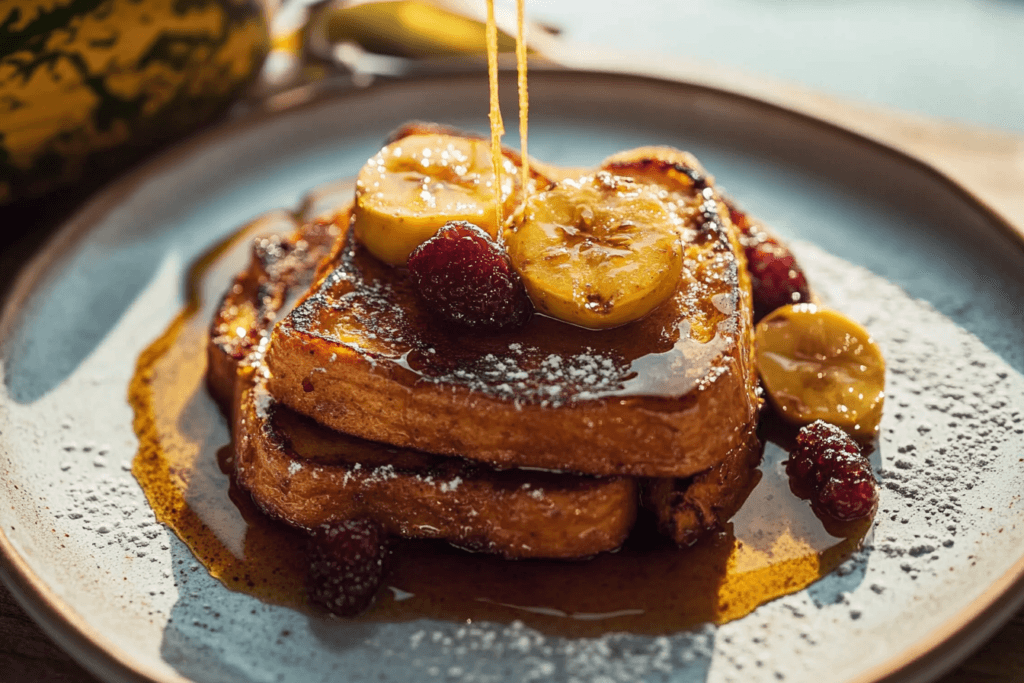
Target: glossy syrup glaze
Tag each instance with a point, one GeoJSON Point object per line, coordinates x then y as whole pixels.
{"type": "Point", "coordinates": [772, 547]}
{"type": "Point", "coordinates": [370, 306]}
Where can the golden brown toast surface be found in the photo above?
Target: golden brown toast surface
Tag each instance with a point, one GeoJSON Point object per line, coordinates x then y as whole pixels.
{"type": "Point", "coordinates": [669, 395]}
{"type": "Point", "coordinates": [307, 475]}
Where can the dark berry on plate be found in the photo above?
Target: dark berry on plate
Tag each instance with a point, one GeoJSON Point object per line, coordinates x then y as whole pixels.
{"type": "Point", "coordinates": [739, 219]}
{"type": "Point", "coordinates": [850, 494]}
{"type": "Point", "coordinates": [775, 276]}
{"type": "Point", "coordinates": [829, 464]}
{"type": "Point", "coordinates": [346, 565]}
{"type": "Point", "coordinates": [464, 277]}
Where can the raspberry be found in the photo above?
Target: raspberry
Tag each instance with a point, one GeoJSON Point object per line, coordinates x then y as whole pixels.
{"type": "Point", "coordinates": [465, 278]}
{"type": "Point", "coordinates": [852, 495]}
{"type": "Point", "coordinates": [829, 463]}
{"type": "Point", "coordinates": [346, 565]}
{"type": "Point", "coordinates": [776, 278]}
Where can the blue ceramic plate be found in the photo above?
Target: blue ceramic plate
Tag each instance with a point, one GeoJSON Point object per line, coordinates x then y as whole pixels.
{"type": "Point", "coordinates": [936, 278]}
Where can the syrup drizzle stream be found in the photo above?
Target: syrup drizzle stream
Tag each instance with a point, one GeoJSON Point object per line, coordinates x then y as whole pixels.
{"type": "Point", "coordinates": [524, 99]}
{"type": "Point", "coordinates": [497, 126]}
{"type": "Point", "coordinates": [774, 546]}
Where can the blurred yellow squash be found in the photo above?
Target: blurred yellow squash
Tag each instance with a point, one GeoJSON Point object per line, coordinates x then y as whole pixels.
{"type": "Point", "coordinates": [84, 81]}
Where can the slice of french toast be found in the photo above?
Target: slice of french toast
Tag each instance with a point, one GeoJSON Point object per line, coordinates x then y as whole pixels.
{"type": "Point", "coordinates": [307, 475]}
{"type": "Point", "coordinates": [286, 249]}
{"type": "Point", "coordinates": [281, 268]}
{"type": "Point", "coordinates": [669, 395]}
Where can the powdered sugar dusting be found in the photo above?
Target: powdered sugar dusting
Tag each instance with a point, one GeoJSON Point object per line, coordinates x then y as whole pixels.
{"type": "Point", "coordinates": [527, 374]}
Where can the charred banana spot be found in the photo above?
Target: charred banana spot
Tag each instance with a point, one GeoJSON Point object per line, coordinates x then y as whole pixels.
{"type": "Point", "coordinates": [598, 304]}
{"type": "Point", "coordinates": [697, 180]}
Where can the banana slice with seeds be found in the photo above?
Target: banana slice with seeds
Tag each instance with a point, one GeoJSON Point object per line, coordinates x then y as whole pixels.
{"type": "Point", "coordinates": [598, 251]}
{"type": "Point", "coordinates": [416, 184]}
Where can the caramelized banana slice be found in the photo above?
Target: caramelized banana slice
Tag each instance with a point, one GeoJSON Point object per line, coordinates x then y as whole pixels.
{"type": "Point", "coordinates": [416, 184]}
{"type": "Point", "coordinates": [820, 365]}
{"type": "Point", "coordinates": [667, 167]}
{"type": "Point", "coordinates": [682, 183]}
{"type": "Point", "coordinates": [598, 251]}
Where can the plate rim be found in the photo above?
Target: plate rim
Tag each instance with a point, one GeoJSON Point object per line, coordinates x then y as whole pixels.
{"type": "Point", "coordinates": [934, 654]}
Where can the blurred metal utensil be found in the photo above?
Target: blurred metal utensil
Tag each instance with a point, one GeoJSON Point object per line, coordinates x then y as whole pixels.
{"type": "Point", "coordinates": [350, 43]}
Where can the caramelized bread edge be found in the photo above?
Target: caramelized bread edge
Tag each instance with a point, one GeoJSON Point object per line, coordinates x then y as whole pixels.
{"type": "Point", "coordinates": [637, 436]}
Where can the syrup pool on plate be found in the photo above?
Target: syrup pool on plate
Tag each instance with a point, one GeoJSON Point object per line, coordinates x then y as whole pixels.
{"type": "Point", "coordinates": [772, 547]}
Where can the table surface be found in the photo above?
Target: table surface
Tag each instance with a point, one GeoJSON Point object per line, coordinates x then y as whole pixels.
{"type": "Point", "coordinates": [951, 59]}
{"type": "Point", "coordinates": [956, 60]}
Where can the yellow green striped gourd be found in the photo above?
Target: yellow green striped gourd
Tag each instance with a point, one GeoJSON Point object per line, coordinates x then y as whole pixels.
{"type": "Point", "coordinates": [84, 81]}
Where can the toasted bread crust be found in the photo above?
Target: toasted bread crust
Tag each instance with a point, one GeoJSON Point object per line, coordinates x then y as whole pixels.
{"type": "Point", "coordinates": [688, 509]}
{"type": "Point", "coordinates": [629, 436]}
{"type": "Point", "coordinates": [242, 307]}
{"type": "Point", "coordinates": [285, 251]}
{"type": "Point", "coordinates": [667, 396]}
{"type": "Point", "coordinates": [307, 475]}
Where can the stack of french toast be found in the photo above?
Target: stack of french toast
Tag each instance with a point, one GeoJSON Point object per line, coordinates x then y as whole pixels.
{"type": "Point", "coordinates": [629, 382]}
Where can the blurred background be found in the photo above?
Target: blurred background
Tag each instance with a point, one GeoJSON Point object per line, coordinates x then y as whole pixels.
{"type": "Point", "coordinates": [956, 59]}
{"type": "Point", "coordinates": [88, 87]}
